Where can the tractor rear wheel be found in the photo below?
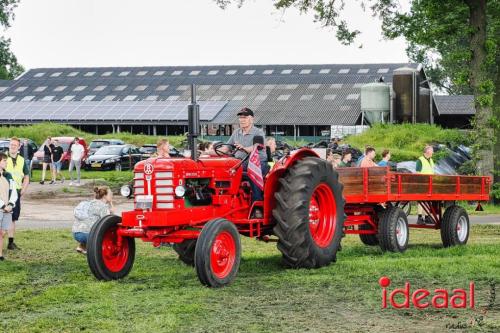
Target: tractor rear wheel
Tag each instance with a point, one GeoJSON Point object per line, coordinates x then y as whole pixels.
{"type": "Point", "coordinates": [217, 254]}
{"type": "Point", "coordinates": [455, 226]}
{"type": "Point", "coordinates": [107, 259]}
{"type": "Point", "coordinates": [309, 214]}
{"type": "Point", "coordinates": [393, 230]}
{"type": "Point", "coordinates": [185, 250]}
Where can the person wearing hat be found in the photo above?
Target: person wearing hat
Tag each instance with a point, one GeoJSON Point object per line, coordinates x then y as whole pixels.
{"type": "Point", "coordinates": [243, 139]}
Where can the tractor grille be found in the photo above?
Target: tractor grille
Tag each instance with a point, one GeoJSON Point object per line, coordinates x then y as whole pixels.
{"type": "Point", "coordinates": [164, 190]}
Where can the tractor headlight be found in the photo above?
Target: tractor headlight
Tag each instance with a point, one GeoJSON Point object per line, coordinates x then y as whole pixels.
{"type": "Point", "coordinates": [126, 191]}
{"type": "Point", "coordinates": [180, 191]}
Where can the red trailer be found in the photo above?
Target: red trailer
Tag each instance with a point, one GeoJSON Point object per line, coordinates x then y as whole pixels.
{"type": "Point", "coordinates": [202, 206]}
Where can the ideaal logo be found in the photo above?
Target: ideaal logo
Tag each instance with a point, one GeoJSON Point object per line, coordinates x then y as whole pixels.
{"type": "Point", "coordinates": [420, 297]}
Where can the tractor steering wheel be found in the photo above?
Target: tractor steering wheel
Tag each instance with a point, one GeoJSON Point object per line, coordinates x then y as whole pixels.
{"type": "Point", "coordinates": [225, 149]}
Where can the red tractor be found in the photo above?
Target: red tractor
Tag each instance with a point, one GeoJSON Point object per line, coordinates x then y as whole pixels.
{"type": "Point", "coordinates": [203, 206]}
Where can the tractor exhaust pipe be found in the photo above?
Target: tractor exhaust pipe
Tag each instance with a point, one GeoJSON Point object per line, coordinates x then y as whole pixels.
{"type": "Point", "coordinates": [193, 124]}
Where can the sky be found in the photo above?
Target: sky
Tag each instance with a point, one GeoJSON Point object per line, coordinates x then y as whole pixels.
{"type": "Point", "coordinates": [88, 33]}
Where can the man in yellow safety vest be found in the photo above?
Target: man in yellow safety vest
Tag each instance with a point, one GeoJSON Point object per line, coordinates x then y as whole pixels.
{"type": "Point", "coordinates": [425, 165]}
{"type": "Point", "coordinates": [20, 173]}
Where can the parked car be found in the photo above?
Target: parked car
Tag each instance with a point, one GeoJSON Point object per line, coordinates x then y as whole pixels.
{"type": "Point", "coordinates": [98, 143]}
{"type": "Point", "coordinates": [65, 142]}
{"type": "Point", "coordinates": [149, 149]}
{"type": "Point", "coordinates": [114, 157]}
{"type": "Point", "coordinates": [4, 144]}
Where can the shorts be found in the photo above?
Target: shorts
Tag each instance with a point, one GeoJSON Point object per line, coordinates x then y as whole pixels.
{"type": "Point", "coordinates": [81, 237]}
{"type": "Point", "coordinates": [47, 159]}
{"type": "Point", "coordinates": [57, 166]}
{"type": "Point", "coordinates": [17, 210]}
{"type": "Point", "coordinates": [5, 220]}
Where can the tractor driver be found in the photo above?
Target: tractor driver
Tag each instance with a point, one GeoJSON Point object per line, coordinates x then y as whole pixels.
{"type": "Point", "coordinates": [243, 139]}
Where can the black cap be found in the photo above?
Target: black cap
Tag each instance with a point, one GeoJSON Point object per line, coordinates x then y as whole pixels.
{"type": "Point", "coordinates": [245, 112]}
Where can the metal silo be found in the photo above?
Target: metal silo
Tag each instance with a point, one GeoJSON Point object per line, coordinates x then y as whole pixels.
{"type": "Point", "coordinates": [424, 111]}
{"type": "Point", "coordinates": [405, 85]}
{"type": "Point", "coordinates": [376, 102]}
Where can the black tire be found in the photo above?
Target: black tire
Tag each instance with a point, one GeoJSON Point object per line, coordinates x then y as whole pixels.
{"type": "Point", "coordinates": [291, 214]}
{"type": "Point", "coordinates": [95, 255]}
{"type": "Point", "coordinates": [455, 218]}
{"type": "Point", "coordinates": [388, 230]}
{"type": "Point", "coordinates": [185, 250]}
{"type": "Point", "coordinates": [370, 239]}
{"type": "Point", "coordinates": [203, 250]}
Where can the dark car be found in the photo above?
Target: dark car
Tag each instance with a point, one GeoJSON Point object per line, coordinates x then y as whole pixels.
{"type": "Point", "coordinates": [149, 149]}
{"type": "Point", "coordinates": [114, 157]}
{"type": "Point", "coordinates": [96, 144]}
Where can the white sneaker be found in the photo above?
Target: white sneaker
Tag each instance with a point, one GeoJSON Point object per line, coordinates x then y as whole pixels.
{"type": "Point", "coordinates": [71, 184]}
{"type": "Point", "coordinates": [78, 184]}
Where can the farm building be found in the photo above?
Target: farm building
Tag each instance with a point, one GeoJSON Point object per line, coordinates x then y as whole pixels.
{"type": "Point", "coordinates": [290, 100]}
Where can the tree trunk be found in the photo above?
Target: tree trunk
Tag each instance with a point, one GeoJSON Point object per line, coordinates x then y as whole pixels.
{"type": "Point", "coordinates": [478, 77]}
{"type": "Point", "coordinates": [496, 112]}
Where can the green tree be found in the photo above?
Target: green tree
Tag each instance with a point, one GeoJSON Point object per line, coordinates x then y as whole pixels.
{"type": "Point", "coordinates": [456, 40]}
{"type": "Point", "coordinates": [9, 67]}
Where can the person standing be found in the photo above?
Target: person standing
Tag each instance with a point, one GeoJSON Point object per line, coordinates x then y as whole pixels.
{"type": "Point", "coordinates": [20, 173]}
{"type": "Point", "coordinates": [57, 156]}
{"type": "Point", "coordinates": [27, 153]}
{"type": "Point", "coordinates": [425, 166]}
{"type": "Point", "coordinates": [47, 159]}
{"type": "Point", "coordinates": [75, 161]}
{"type": "Point", "coordinates": [8, 198]}
{"type": "Point", "coordinates": [386, 156]}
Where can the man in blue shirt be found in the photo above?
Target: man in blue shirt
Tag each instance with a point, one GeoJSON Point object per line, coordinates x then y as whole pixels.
{"type": "Point", "coordinates": [386, 156]}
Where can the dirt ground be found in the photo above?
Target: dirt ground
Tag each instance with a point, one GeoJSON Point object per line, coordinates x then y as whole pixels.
{"type": "Point", "coordinates": [51, 206]}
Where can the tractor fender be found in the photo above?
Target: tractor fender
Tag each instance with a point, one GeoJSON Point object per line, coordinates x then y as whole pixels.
{"type": "Point", "coordinates": [272, 178]}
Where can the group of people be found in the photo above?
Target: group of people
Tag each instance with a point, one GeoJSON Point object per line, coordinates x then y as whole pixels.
{"type": "Point", "coordinates": [53, 154]}
{"type": "Point", "coordinates": [366, 160]}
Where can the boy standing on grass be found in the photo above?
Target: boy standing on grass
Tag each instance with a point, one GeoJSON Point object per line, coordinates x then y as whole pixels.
{"type": "Point", "coordinates": [8, 198]}
{"type": "Point", "coordinates": [57, 156]}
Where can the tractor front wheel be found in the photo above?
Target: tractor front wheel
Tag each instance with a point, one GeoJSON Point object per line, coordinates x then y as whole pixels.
{"type": "Point", "coordinates": [185, 250]}
{"type": "Point", "coordinates": [217, 253]}
{"type": "Point", "coordinates": [309, 214]}
{"type": "Point", "coordinates": [109, 258]}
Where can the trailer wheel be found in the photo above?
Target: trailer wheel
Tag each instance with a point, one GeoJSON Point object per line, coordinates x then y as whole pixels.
{"type": "Point", "coordinates": [455, 226]}
{"type": "Point", "coordinates": [107, 259]}
{"type": "Point", "coordinates": [217, 253]}
{"type": "Point", "coordinates": [185, 250]}
{"type": "Point", "coordinates": [393, 231]}
{"type": "Point", "coordinates": [309, 214]}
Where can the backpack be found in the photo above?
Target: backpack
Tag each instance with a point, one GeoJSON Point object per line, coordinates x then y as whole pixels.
{"type": "Point", "coordinates": [82, 211]}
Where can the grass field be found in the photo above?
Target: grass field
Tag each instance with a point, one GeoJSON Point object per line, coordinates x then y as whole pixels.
{"type": "Point", "coordinates": [112, 178]}
{"type": "Point", "coordinates": [47, 287]}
